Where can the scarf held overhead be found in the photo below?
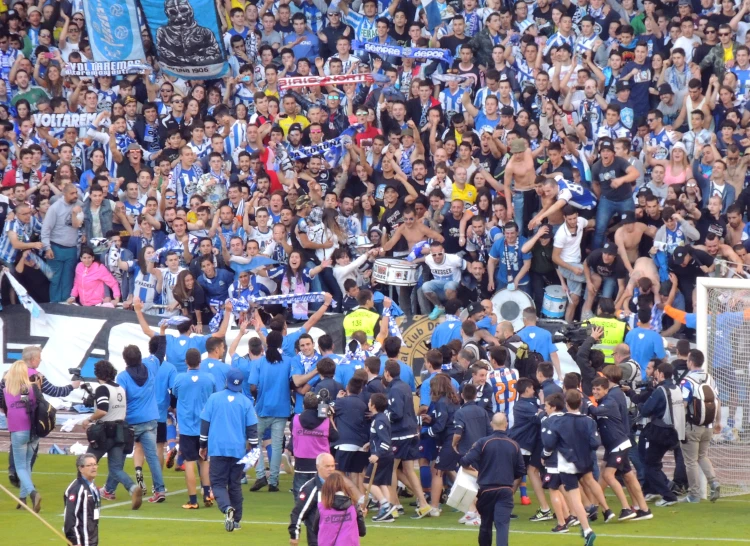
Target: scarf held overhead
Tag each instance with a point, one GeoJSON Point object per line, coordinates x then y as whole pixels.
{"type": "Point", "coordinates": [308, 81]}
{"type": "Point", "coordinates": [421, 54]}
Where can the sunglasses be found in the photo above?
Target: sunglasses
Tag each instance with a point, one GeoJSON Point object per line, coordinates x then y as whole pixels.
{"type": "Point", "coordinates": [334, 97]}
{"type": "Point", "coordinates": [725, 34]}
{"type": "Point", "coordinates": [4, 150]}
{"type": "Point", "coordinates": [437, 254]}
{"type": "Point", "coordinates": [177, 102]}
{"type": "Point", "coordinates": [315, 132]}
{"type": "Point", "coordinates": [170, 197]}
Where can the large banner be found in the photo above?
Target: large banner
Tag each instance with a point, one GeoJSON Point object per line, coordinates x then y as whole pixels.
{"type": "Point", "coordinates": [113, 30]}
{"type": "Point", "coordinates": [187, 38]}
{"type": "Point", "coordinates": [73, 336]}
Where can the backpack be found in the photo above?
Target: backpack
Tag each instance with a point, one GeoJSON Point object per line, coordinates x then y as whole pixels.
{"type": "Point", "coordinates": [43, 416]}
{"type": "Point", "coordinates": [476, 349]}
{"type": "Point", "coordinates": [702, 406]}
{"type": "Point", "coordinates": [526, 360]}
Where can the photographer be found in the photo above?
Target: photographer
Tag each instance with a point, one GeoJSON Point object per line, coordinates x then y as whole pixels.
{"type": "Point", "coordinates": [32, 355]}
{"type": "Point", "coordinates": [664, 432]}
{"type": "Point", "coordinates": [590, 361]}
{"type": "Point", "coordinates": [312, 434]}
{"type": "Point", "coordinates": [109, 434]}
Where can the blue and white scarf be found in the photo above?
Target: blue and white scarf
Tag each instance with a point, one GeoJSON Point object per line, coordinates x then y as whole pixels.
{"type": "Point", "coordinates": [393, 329]}
{"type": "Point", "coordinates": [308, 361]}
{"type": "Point", "coordinates": [421, 53]}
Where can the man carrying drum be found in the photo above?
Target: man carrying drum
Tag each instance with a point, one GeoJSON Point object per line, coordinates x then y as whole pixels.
{"type": "Point", "coordinates": [446, 276]}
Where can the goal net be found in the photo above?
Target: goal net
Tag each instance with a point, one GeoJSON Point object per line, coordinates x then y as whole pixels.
{"type": "Point", "coordinates": [723, 334]}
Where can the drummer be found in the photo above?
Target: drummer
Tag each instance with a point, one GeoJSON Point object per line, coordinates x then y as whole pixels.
{"type": "Point", "coordinates": [413, 233]}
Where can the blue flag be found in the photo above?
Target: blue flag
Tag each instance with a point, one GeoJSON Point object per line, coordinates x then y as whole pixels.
{"type": "Point", "coordinates": [114, 32]}
{"type": "Point", "coordinates": [433, 14]}
{"type": "Point", "coordinates": [187, 38]}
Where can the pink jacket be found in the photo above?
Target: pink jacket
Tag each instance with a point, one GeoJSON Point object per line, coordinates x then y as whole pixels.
{"type": "Point", "coordinates": [89, 283]}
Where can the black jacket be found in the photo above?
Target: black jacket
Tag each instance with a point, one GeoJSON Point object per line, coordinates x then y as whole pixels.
{"type": "Point", "coordinates": [80, 527]}
{"type": "Point", "coordinates": [497, 459]}
{"type": "Point", "coordinates": [306, 511]}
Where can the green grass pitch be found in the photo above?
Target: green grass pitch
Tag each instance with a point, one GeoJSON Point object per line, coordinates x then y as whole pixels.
{"type": "Point", "coordinates": [267, 515]}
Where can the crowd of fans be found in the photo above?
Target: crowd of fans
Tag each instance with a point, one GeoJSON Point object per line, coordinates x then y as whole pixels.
{"type": "Point", "coordinates": [595, 146]}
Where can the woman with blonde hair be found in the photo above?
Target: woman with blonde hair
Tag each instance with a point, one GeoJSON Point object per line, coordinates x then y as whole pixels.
{"type": "Point", "coordinates": [677, 168]}
{"type": "Point", "coordinates": [19, 398]}
{"type": "Point", "coordinates": [340, 522]}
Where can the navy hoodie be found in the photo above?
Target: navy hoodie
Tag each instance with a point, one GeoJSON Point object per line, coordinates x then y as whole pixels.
{"type": "Point", "coordinates": [574, 436]}
{"type": "Point", "coordinates": [613, 430]}
{"type": "Point", "coordinates": [401, 410]}
{"type": "Point", "coordinates": [526, 422]}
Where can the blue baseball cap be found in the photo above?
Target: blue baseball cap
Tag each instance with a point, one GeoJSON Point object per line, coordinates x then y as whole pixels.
{"type": "Point", "coordinates": [234, 380]}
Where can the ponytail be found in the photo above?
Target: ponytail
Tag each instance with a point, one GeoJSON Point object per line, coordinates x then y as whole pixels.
{"type": "Point", "coordinates": [274, 341]}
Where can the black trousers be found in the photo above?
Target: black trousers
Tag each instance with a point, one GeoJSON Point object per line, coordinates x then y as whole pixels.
{"type": "Point", "coordinates": [495, 506]}
{"type": "Point", "coordinates": [654, 444]}
{"type": "Point", "coordinates": [225, 476]}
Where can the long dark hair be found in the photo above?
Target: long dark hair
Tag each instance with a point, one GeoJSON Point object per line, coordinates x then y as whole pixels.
{"type": "Point", "coordinates": [142, 260]}
{"type": "Point", "coordinates": [273, 349]}
{"type": "Point", "coordinates": [440, 386]}
{"type": "Point", "coordinates": [180, 291]}
{"type": "Point", "coordinates": [288, 272]}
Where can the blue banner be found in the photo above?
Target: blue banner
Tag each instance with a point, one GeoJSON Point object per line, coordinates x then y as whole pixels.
{"type": "Point", "coordinates": [420, 53]}
{"type": "Point", "coordinates": [113, 30]}
{"type": "Point", "coordinates": [187, 38]}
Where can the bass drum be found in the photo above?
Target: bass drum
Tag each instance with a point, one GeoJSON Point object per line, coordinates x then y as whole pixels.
{"type": "Point", "coordinates": [509, 305]}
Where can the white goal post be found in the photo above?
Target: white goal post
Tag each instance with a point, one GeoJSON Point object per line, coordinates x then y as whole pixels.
{"type": "Point", "coordinates": [723, 335]}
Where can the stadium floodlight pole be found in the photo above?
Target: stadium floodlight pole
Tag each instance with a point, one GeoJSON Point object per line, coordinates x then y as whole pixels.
{"type": "Point", "coordinates": [23, 505]}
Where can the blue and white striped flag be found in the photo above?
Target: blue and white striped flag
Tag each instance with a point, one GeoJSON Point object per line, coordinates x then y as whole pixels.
{"type": "Point", "coordinates": [433, 14]}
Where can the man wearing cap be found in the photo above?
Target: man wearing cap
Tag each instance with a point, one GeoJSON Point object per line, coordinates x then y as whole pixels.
{"type": "Point", "coordinates": [628, 238]}
{"type": "Point", "coordinates": [668, 104]}
{"type": "Point", "coordinates": [519, 182]}
{"type": "Point", "coordinates": [688, 263]}
{"type": "Point", "coordinates": [604, 270]}
{"type": "Point", "coordinates": [624, 101]}
{"type": "Point", "coordinates": [612, 183]}
{"type": "Point", "coordinates": [228, 422]}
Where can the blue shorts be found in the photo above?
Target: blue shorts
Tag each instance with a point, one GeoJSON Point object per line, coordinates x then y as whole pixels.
{"type": "Point", "coordinates": [427, 448]}
{"type": "Point", "coordinates": [266, 434]}
{"type": "Point", "coordinates": [439, 287]}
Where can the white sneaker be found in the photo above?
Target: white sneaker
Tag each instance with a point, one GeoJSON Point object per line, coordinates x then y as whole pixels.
{"type": "Point", "coordinates": [434, 513]}
{"type": "Point", "coordinates": [286, 464]}
{"type": "Point", "coordinates": [467, 516]}
{"type": "Point", "coordinates": [475, 522]}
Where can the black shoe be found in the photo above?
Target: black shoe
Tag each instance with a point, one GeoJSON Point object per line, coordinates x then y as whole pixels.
{"type": "Point", "coordinates": [609, 515]}
{"type": "Point", "coordinates": [626, 514]}
{"type": "Point", "coordinates": [641, 515]}
{"type": "Point", "coordinates": [23, 500]}
{"type": "Point", "coordinates": [592, 512]}
{"type": "Point", "coordinates": [14, 481]}
{"type": "Point", "coordinates": [560, 528]}
{"type": "Point", "coordinates": [273, 488]}
{"type": "Point", "coordinates": [513, 516]}
{"type": "Point", "coordinates": [414, 503]}
{"type": "Point", "coordinates": [259, 484]}
{"type": "Point", "coordinates": [404, 493]}
{"type": "Point", "coordinates": [36, 500]}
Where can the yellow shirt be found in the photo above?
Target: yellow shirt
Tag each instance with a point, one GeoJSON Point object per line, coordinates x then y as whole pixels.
{"type": "Point", "coordinates": [468, 195]}
{"type": "Point", "coordinates": [270, 93]}
{"type": "Point", "coordinates": [728, 54]}
{"type": "Point", "coordinates": [288, 121]}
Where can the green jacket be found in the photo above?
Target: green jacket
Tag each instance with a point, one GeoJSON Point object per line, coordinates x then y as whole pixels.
{"type": "Point", "coordinates": [715, 59]}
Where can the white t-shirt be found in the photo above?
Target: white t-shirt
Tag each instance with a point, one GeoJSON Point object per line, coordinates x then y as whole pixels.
{"type": "Point", "coordinates": [449, 270]}
{"type": "Point", "coordinates": [688, 44]}
{"type": "Point", "coordinates": [570, 245]}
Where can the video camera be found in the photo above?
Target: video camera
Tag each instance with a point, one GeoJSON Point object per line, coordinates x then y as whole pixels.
{"type": "Point", "coordinates": [324, 404]}
{"type": "Point", "coordinates": [574, 333]}
{"type": "Point", "coordinates": [88, 399]}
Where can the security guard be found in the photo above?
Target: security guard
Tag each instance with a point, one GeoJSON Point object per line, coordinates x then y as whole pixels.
{"type": "Point", "coordinates": [227, 420]}
{"type": "Point", "coordinates": [498, 462]}
{"type": "Point", "coordinates": [108, 433]}
{"type": "Point", "coordinates": [82, 504]}
{"type": "Point", "coordinates": [614, 329]}
{"type": "Point", "coordinates": [363, 317]}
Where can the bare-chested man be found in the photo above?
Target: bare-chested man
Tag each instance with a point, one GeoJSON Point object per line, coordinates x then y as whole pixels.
{"type": "Point", "coordinates": [716, 249]}
{"type": "Point", "coordinates": [735, 226]}
{"type": "Point", "coordinates": [628, 237]}
{"type": "Point", "coordinates": [644, 276]}
{"type": "Point", "coordinates": [413, 232]}
{"type": "Point", "coordinates": [519, 173]}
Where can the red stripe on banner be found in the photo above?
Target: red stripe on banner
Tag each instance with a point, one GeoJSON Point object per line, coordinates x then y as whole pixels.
{"type": "Point", "coordinates": [307, 81]}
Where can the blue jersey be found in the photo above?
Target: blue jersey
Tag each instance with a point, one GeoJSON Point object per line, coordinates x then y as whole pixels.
{"type": "Point", "coordinates": [576, 195]}
{"type": "Point", "coordinates": [364, 28]}
{"type": "Point", "coordinates": [743, 80]}
{"type": "Point", "coordinates": [217, 369]}
{"type": "Point", "coordinates": [539, 340]}
{"type": "Point", "coordinates": [662, 142]}
{"type": "Point", "coordinates": [192, 390]}
{"type": "Point", "coordinates": [144, 288]}
{"type": "Point", "coordinates": [247, 366]}
{"type": "Point", "coordinates": [644, 346]}
{"type": "Point", "coordinates": [451, 102]}
{"type": "Point", "coordinates": [272, 380]}
{"type": "Point", "coordinates": [510, 260]}
{"type": "Point", "coordinates": [229, 414]}
{"type": "Point", "coordinates": [181, 181]}
{"type": "Point", "coordinates": [503, 381]}
{"type": "Point", "coordinates": [165, 377]}
{"type": "Point", "coordinates": [446, 332]}
{"type": "Point", "coordinates": [406, 375]}
{"type": "Point", "coordinates": [424, 389]}
{"type": "Point", "coordinates": [177, 347]}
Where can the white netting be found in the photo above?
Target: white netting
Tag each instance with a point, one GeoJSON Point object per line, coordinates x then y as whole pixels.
{"type": "Point", "coordinates": [728, 359]}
